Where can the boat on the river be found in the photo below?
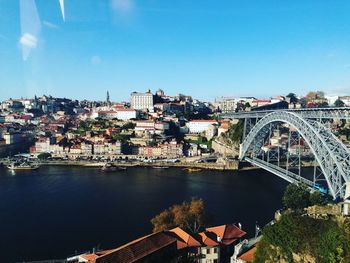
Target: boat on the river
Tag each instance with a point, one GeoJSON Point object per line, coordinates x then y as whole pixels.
{"type": "Point", "coordinates": [193, 170]}
{"type": "Point", "coordinates": [110, 167]}
{"type": "Point", "coordinates": [160, 167]}
{"type": "Point", "coordinates": [22, 166]}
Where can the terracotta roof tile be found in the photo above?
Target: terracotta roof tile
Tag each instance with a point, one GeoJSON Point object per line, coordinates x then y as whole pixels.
{"type": "Point", "coordinates": [248, 256]}
{"type": "Point", "coordinates": [138, 248]}
{"type": "Point", "coordinates": [228, 233]}
{"type": "Point", "coordinates": [208, 239]}
{"type": "Point", "coordinates": [188, 240]}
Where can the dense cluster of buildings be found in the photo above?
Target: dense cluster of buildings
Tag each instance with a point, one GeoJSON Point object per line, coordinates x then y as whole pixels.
{"type": "Point", "coordinates": [150, 125]}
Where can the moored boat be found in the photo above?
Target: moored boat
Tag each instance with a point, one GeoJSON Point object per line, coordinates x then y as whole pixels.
{"type": "Point", "coordinates": [22, 166]}
{"type": "Point", "coordinates": [193, 170]}
{"type": "Point", "coordinates": [160, 167]}
{"type": "Point", "coordinates": [110, 167]}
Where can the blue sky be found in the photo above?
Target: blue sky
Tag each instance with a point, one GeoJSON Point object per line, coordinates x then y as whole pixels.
{"type": "Point", "coordinates": [205, 48]}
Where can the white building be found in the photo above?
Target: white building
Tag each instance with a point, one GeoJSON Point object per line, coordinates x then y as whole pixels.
{"type": "Point", "coordinates": [145, 126]}
{"type": "Point", "coordinates": [126, 114]}
{"type": "Point", "coordinates": [199, 126]}
{"type": "Point", "coordinates": [142, 101]}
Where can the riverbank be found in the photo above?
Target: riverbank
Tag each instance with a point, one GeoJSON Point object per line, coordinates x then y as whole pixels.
{"type": "Point", "coordinates": [231, 165]}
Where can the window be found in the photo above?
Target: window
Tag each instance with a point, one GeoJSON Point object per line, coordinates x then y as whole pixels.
{"type": "Point", "coordinates": [208, 250]}
{"type": "Point", "coordinates": [215, 261]}
{"type": "Point", "coordinates": [215, 250]}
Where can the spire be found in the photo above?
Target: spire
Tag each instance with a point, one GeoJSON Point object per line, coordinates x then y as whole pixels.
{"type": "Point", "coordinates": [108, 100]}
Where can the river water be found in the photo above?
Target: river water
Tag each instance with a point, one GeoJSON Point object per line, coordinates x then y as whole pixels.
{"type": "Point", "coordinates": [53, 212]}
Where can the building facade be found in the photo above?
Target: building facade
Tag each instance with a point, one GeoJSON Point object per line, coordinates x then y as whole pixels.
{"type": "Point", "coordinates": [142, 101]}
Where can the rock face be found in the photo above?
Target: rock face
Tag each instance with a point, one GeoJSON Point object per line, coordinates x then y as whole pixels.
{"type": "Point", "coordinates": [225, 149]}
{"type": "Point", "coordinates": [323, 212]}
{"type": "Point", "coordinates": [277, 257]}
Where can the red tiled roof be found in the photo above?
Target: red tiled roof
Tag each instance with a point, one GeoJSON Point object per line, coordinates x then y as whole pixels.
{"type": "Point", "coordinates": [208, 239]}
{"type": "Point", "coordinates": [228, 233]}
{"type": "Point", "coordinates": [89, 257]}
{"type": "Point", "coordinates": [126, 110]}
{"type": "Point", "coordinates": [248, 256]}
{"type": "Point", "coordinates": [186, 240]}
{"type": "Point", "coordinates": [138, 249]}
{"type": "Point", "coordinates": [106, 111]}
{"type": "Point", "coordinates": [261, 101]}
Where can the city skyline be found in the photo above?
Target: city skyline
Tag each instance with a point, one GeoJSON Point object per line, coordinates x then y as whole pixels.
{"type": "Point", "coordinates": [211, 50]}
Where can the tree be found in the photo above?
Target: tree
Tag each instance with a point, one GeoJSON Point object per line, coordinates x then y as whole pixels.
{"type": "Point", "coordinates": [189, 216]}
{"type": "Point", "coordinates": [310, 96]}
{"type": "Point", "coordinates": [296, 196]}
{"type": "Point", "coordinates": [303, 102]}
{"type": "Point", "coordinates": [339, 103]}
{"type": "Point", "coordinates": [323, 104]}
{"type": "Point", "coordinates": [44, 156]}
{"type": "Point", "coordinates": [316, 198]}
{"type": "Point", "coordinates": [235, 131]}
{"type": "Point", "coordinates": [128, 126]}
{"type": "Point", "coordinates": [292, 97]}
{"type": "Point", "coordinates": [319, 94]}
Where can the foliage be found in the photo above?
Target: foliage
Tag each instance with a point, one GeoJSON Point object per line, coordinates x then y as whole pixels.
{"type": "Point", "coordinates": [120, 137]}
{"type": "Point", "coordinates": [323, 104]}
{"type": "Point", "coordinates": [322, 239]}
{"type": "Point", "coordinates": [44, 156]}
{"type": "Point", "coordinates": [189, 216]}
{"type": "Point", "coordinates": [201, 140]}
{"type": "Point", "coordinates": [296, 197]}
{"type": "Point", "coordinates": [128, 126]}
{"type": "Point", "coordinates": [316, 198]}
{"type": "Point", "coordinates": [339, 103]}
{"type": "Point", "coordinates": [235, 131]}
{"type": "Point", "coordinates": [346, 132]}
{"type": "Point", "coordinates": [293, 97]}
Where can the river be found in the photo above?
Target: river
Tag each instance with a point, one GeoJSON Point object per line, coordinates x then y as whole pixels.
{"type": "Point", "coordinates": [55, 211]}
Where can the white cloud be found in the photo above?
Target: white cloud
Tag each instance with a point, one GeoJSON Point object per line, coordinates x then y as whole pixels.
{"type": "Point", "coordinates": [95, 60]}
{"type": "Point", "coordinates": [28, 40]}
{"type": "Point", "coordinates": [50, 25]}
{"type": "Point", "coordinates": [122, 6]}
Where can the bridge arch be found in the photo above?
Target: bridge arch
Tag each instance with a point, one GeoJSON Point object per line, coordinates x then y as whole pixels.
{"type": "Point", "coordinates": [331, 154]}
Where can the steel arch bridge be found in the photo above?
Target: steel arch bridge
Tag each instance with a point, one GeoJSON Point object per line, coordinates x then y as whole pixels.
{"type": "Point", "coordinates": [332, 156]}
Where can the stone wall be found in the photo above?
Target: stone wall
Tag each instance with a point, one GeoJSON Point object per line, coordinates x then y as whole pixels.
{"type": "Point", "coordinates": [224, 149]}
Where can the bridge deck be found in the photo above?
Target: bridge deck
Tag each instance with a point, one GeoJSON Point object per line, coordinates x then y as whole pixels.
{"type": "Point", "coordinates": [280, 172]}
{"type": "Point", "coordinates": [309, 113]}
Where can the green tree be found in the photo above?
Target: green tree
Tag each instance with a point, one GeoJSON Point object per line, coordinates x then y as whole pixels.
{"type": "Point", "coordinates": [293, 98]}
{"type": "Point", "coordinates": [296, 197]}
{"type": "Point", "coordinates": [44, 156]}
{"type": "Point", "coordinates": [189, 216]}
{"type": "Point", "coordinates": [316, 198]}
{"type": "Point", "coordinates": [235, 131]}
{"type": "Point", "coordinates": [129, 125]}
{"type": "Point", "coordinates": [339, 103]}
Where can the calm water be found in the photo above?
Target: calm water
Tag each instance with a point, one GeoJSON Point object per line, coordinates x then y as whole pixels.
{"type": "Point", "coordinates": [55, 211]}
